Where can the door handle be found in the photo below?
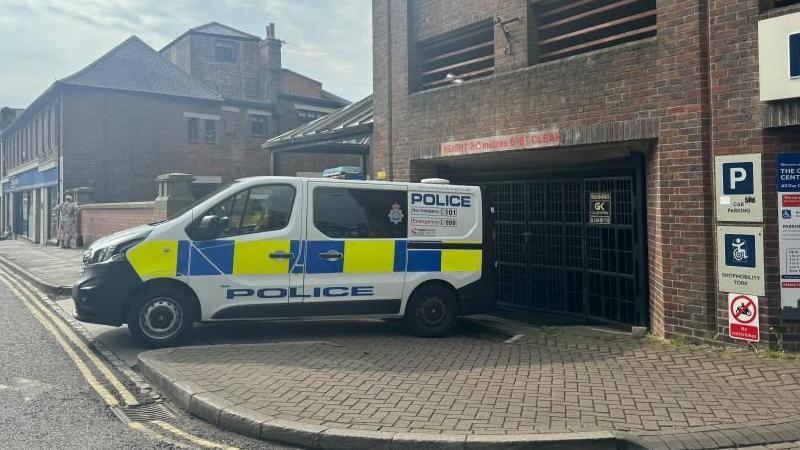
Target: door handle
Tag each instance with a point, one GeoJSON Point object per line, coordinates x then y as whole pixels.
{"type": "Point", "coordinates": [331, 255]}
{"type": "Point", "coordinates": [280, 255]}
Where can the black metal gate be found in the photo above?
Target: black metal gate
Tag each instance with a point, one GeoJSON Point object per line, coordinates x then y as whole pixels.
{"type": "Point", "coordinates": [571, 246]}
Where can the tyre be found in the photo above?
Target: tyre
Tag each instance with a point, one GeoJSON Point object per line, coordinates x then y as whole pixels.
{"type": "Point", "coordinates": [160, 317]}
{"type": "Point", "coordinates": [432, 311]}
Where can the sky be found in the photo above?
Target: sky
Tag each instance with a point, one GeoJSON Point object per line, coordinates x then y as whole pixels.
{"type": "Point", "coordinates": [44, 40]}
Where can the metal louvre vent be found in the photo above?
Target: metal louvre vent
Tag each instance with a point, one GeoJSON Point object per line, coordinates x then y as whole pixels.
{"type": "Point", "coordinates": [566, 28]}
{"type": "Point", "coordinates": [456, 56]}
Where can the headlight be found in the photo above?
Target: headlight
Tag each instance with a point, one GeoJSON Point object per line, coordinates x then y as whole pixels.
{"type": "Point", "coordinates": [104, 254]}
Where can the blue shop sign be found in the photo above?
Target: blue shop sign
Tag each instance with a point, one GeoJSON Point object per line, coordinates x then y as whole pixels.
{"type": "Point", "coordinates": [788, 172]}
{"type": "Point", "coordinates": [32, 179]}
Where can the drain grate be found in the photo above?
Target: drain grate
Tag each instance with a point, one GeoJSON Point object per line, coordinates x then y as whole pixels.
{"type": "Point", "coordinates": [143, 413]}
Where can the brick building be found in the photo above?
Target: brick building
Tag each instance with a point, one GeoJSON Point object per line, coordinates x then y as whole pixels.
{"type": "Point", "coordinates": [203, 105]}
{"type": "Point", "coordinates": [557, 106]}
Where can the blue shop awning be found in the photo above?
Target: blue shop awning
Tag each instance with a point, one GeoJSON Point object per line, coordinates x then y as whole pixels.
{"type": "Point", "coordinates": [31, 179]}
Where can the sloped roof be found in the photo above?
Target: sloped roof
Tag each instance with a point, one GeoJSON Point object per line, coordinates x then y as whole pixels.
{"type": "Point", "coordinates": [215, 28]}
{"type": "Point", "coordinates": [331, 96]}
{"type": "Point", "coordinates": [137, 67]}
{"type": "Point", "coordinates": [223, 30]}
{"type": "Point", "coordinates": [351, 124]}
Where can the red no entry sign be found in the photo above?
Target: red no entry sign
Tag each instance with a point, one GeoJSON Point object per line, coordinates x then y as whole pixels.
{"type": "Point", "coordinates": [743, 317]}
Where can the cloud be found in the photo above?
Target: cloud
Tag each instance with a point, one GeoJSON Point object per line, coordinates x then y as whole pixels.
{"type": "Point", "coordinates": [50, 39]}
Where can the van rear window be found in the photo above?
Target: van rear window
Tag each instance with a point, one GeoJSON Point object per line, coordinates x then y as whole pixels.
{"type": "Point", "coordinates": [346, 213]}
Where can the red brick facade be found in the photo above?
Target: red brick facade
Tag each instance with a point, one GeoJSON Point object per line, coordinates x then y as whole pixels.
{"type": "Point", "coordinates": [682, 97]}
{"type": "Point", "coordinates": [97, 221]}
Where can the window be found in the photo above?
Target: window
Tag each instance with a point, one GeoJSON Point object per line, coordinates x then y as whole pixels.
{"type": "Point", "coordinates": [456, 56]}
{"type": "Point", "coordinates": [566, 27]}
{"type": "Point", "coordinates": [193, 132]}
{"type": "Point", "coordinates": [255, 210]}
{"type": "Point", "coordinates": [344, 213]}
{"type": "Point", "coordinates": [226, 51]}
{"type": "Point", "coordinates": [258, 125]}
{"type": "Point", "coordinates": [309, 115]}
{"type": "Point", "coordinates": [211, 130]}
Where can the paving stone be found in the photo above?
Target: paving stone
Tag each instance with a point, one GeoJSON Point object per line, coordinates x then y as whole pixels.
{"type": "Point", "coordinates": [374, 378]}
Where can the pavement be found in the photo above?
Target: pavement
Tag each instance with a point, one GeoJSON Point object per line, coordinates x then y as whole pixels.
{"type": "Point", "coordinates": [54, 269]}
{"type": "Point", "coordinates": [494, 384]}
{"type": "Point", "coordinates": [372, 381]}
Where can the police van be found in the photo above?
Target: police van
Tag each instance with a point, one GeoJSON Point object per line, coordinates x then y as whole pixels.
{"type": "Point", "coordinates": [267, 248]}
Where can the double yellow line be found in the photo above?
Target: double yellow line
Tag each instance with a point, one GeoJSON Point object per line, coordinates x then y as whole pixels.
{"type": "Point", "coordinates": [74, 347]}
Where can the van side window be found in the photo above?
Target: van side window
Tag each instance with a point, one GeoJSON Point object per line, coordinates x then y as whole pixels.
{"type": "Point", "coordinates": [255, 210]}
{"type": "Point", "coordinates": [345, 213]}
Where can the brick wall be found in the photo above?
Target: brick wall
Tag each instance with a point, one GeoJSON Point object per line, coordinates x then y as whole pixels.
{"type": "Point", "coordinates": [662, 80]}
{"type": "Point", "coordinates": [180, 53]}
{"type": "Point", "coordinates": [737, 128]}
{"type": "Point", "coordinates": [294, 83]}
{"type": "Point", "coordinates": [118, 142]}
{"type": "Point", "coordinates": [98, 220]}
{"type": "Point", "coordinates": [243, 79]}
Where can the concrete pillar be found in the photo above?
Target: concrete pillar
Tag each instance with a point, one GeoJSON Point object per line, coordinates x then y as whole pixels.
{"type": "Point", "coordinates": [81, 195]}
{"type": "Point", "coordinates": [174, 192]}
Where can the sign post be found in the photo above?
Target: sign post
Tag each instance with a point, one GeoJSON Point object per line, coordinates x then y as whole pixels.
{"type": "Point", "coordinates": [788, 178]}
{"type": "Point", "coordinates": [743, 322]}
{"type": "Point", "coordinates": [740, 259]}
{"type": "Point", "coordinates": [738, 188]}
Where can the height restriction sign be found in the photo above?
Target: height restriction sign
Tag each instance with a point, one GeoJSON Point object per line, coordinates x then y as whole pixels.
{"type": "Point", "coordinates": [743, 317]}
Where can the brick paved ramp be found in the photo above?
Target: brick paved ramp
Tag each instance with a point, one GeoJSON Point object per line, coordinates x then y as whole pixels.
{"type": "Point", "coordinates": [553, 382]}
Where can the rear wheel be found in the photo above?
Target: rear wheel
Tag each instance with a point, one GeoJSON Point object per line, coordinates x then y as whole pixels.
{"type": "Point", "coordinates": [432, 311]}
{"type": "Point", "coordinates": [160, 317]}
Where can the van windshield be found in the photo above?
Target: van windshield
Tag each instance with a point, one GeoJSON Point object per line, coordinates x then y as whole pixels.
{"type": "Point", "coordinates": [188, 207]}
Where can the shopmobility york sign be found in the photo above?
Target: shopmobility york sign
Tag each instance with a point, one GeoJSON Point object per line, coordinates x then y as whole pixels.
{"type": "Point", "coordinates": [740, 259]}
{"type": "Point", "coordinates": [788, 178]}
{"type": "Point", "coordinates": [738, 188]}
{"type": "Point", "coordinates": [533, 139]}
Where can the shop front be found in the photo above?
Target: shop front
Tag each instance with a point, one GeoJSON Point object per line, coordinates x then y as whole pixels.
{"type": "Point", "coordinates": [29, 198]}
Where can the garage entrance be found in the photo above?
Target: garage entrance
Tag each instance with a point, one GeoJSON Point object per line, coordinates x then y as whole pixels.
{"type": "Point", "coordinates": [569, 242]}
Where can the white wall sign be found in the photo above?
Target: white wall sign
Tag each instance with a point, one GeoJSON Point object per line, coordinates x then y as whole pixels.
{"type": "Point", "coordinates": [738, 188]}
{"type": "Point", "coordinates": [779, 57]}
{"type": "Point", "coordinates": [740, 259]}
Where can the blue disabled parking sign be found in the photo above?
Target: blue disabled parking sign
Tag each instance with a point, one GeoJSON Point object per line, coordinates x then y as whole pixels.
{"type": "Point", "coordinates": [740, 250]}
{"type": "Point", "coordinates": [740, 259]}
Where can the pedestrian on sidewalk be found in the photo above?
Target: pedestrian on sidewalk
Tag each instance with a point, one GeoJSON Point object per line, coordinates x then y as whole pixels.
{"type": "Point", "coordinates": [67, 214]}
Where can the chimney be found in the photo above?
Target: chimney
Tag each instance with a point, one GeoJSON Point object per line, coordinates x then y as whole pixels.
{"type": "Point", "coordinates": [270, 49]}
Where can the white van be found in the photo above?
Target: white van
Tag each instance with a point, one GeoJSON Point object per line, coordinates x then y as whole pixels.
{"type": "Point", "coordinates": [293, 248]}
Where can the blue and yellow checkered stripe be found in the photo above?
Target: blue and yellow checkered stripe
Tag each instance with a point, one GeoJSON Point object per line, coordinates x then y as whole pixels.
{"type": "Point", "coordinates": [153, 259]}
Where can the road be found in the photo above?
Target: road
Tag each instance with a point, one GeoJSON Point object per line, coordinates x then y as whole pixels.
{"type": "Point", "coordinates": [54, 394]}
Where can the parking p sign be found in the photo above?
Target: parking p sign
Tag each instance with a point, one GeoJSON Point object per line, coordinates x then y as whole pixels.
{"type": "Point", "coordinates": [738, 188]}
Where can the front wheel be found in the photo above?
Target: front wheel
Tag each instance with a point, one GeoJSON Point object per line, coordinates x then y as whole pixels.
{"type": "Point", "coordinates": [159, 317]}
{"type": "Point", "coordinates": [432, 311]}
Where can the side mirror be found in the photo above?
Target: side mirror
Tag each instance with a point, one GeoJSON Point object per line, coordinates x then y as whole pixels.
{"type": "Point", "coordinates": [208, 228]}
